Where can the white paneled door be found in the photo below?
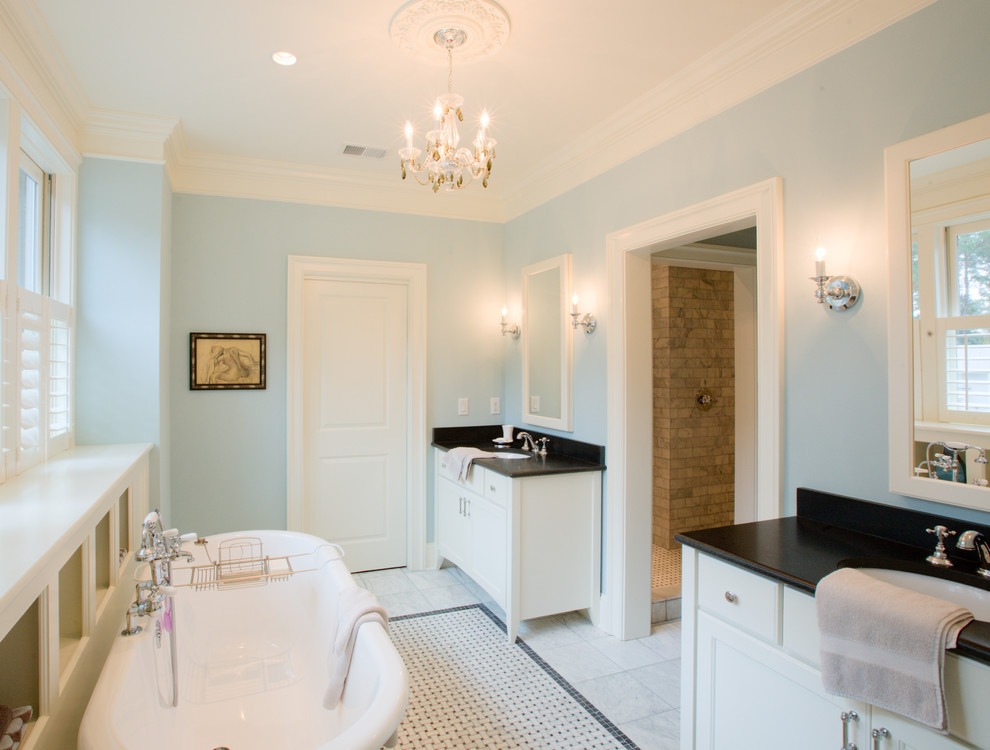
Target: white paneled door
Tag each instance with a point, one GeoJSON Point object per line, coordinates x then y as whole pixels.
{"type": "Point", "coordinates": [355, 386]}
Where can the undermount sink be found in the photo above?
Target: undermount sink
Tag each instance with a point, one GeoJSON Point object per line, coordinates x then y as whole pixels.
{"type": "Point", "coordinates": [976, 600]}
{"type": "Point", "coordinates": [512, 454]}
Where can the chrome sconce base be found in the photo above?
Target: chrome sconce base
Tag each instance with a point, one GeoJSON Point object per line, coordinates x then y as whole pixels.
{"type": "Point", "coordinates": [508, 330]}
{"type": "Point", "coordinates": [587, 322]}
{"type": "Point", "coordinates": [838, 292]}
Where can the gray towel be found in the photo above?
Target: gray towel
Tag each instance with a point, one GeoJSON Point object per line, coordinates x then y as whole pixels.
{"type": "Point", "coordinates": [885, 645]}
{"type": "Point", "coordinates": [457, 461]}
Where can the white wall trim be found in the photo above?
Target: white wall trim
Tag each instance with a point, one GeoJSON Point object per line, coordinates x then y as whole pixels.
{"type": "Point", "coordinates": [413, 275]}
{"type": "Point", "coordinates": [205, 174]}
{"type": "Point", "coordinates": [626, 608]}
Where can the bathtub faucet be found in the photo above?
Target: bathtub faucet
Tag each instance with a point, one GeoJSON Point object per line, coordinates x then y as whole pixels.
{"type": "Point", "coordinates": [159, 547]}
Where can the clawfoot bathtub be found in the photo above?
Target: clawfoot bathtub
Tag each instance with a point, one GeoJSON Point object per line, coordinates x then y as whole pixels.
{"type": "Point", "coordinates": [248, 666]}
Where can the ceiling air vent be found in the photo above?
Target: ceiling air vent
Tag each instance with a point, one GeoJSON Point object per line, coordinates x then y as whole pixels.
{"type": "Point", "coordinates": [368, 152]}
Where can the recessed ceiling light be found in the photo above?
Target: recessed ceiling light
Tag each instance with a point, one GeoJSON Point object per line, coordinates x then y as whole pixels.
{"type": "Point", "coordinates": [284, 58]}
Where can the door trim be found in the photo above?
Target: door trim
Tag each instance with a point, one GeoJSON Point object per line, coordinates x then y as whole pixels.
{"type": "Point", "coordinates": [413, 277]}
{"type": "Point", "coordinates": [626, 602]}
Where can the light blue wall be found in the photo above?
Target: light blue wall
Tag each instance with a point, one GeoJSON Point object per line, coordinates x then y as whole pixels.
{"type": "Point", "coordinates": [824, 132]}
{"type": "Point", "coordinates": [230, 275]}
{"type": "Point", "coordinates": [122, 267]}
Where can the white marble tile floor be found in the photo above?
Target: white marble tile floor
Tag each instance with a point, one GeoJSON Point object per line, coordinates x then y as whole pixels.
{"type": "Point", "coordinates": [636, 684]}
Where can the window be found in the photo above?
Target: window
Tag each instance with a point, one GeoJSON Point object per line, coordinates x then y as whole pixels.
{"type": "Point", "coordinates": [954, 376]}
{"type": "Point", "coordinates": [33, 220]}
{"type": "Point", "coordinates": [38, 317]}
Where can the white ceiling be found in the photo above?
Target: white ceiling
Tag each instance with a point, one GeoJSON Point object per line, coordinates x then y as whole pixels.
{"type": "Point", "coordinates": [576, 77]}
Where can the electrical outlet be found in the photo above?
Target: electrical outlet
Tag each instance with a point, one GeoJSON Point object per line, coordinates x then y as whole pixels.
{"type": "Point", "coordinates": [462, 407]}
{"type": "Point", "coordinates": [496, 405]}
{"type": "Point", "coordinates": [534, 404]}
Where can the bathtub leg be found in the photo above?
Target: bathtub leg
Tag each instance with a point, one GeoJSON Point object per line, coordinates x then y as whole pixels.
{"type": "Point", "coordinates": [393, 740]}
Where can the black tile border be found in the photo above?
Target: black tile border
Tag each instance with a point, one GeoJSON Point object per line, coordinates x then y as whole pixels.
{"type": "Point", "coordinates": [568, 688]}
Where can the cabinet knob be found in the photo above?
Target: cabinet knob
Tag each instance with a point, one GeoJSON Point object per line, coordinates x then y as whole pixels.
{"type": "Point", "coordinates": [879, 734]}
{"type": "Point", "coordinates": [491, 487]}
{"type": "Point", "coordinates": [730, 597]}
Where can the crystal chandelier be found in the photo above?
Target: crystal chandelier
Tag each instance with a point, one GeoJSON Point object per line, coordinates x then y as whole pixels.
{"type": "Point", "coordinates": [445, 165]}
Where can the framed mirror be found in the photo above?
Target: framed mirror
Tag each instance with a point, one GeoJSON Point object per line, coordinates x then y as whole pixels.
{"type": "Point", "coordinates": [938, 222]}
{"type": "Point", "coordinates": [547, 344]}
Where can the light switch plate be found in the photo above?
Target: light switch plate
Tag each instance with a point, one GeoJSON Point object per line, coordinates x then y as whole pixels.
{"type": "Point", "coordinates": [534, 404]}
{"type": "Point", "coordinates": [496, 405]}
{"type": "Point", "coordinates": [462, 407]}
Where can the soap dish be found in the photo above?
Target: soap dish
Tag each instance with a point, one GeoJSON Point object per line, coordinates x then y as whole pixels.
{"type": "Point", "coordinates": [502, 441]}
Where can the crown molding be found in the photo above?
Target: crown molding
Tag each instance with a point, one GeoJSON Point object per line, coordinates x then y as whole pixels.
{"type": "Point", "coordinates": [129, 136]}
{"type": "Point", "coordinates": [267, 180]}
{"type": "Point", "coordinates": [788, 41]}
{"type": "Point", "coordinates": [38, 78]}
{"type": "Point", "coordinates": [793, 39]}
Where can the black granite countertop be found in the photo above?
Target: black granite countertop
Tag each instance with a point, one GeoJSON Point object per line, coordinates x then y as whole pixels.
{"type": "Point", "coordinates": [564, 456]}
{"type": "Point", "coordinates": [827, 534]}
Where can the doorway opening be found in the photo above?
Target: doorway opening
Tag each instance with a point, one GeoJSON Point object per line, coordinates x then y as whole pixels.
{"type": "Point", "coordinates": [628, 482]}
{"type": "Point", "coordinates": [704, 395]}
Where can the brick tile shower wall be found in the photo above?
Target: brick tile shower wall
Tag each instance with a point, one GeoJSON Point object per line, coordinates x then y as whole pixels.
{"type": "Point", "coordinates": [693, 450]}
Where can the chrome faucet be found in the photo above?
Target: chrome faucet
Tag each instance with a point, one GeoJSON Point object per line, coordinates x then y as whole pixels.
{"type": "Point", "coordinates": [970, 540]}
{"type": "Point", "coordinates": [527, 438]}
{"type": "Point", "coordinates": [158, 548]}
{"type": "Point", "coordinates": [948, 462]}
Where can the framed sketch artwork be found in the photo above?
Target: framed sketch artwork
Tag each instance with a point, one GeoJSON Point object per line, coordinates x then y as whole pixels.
{"type": "Point", "coordinates": [226, 361]}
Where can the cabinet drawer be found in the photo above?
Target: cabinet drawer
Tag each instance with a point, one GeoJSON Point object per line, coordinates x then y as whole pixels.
{"type": "Point", "coordinates": [475, 475]}
{"type": "Point", "coordinates": [739, 597]}
{"type": "Point", "coordinates": [497, 488]}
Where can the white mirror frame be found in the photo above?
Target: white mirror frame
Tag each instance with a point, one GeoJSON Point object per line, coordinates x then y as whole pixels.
{"type": "Point", "coordinates": [900, 367]}
{"type": "Point", "coordinates": [564, 422]}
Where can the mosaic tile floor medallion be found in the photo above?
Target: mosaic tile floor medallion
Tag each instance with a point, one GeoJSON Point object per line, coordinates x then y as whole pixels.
{"type": "Point", "coordinates": [471, 689]}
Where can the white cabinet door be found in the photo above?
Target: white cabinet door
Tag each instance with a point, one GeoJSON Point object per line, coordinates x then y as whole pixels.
{"type": "Point", "coordinates": [750, 695]}
{"type": "Point", "coordinates": [488, 546]}
{"type": "Point", "coordinates": [897, 733]}
{"type": "Point", "coordinates": [453, 531]}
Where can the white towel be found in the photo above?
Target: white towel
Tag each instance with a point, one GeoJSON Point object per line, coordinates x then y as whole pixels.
{"type": "Point", "coordinates": [885, 645]}
{"type": "Point", "coordinates": [457, 461]}
{"type": "Point", "coordinates": [355, 606]}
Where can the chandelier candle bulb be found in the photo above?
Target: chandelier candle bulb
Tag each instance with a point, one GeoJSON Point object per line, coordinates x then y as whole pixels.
{"type": "Point", "coordinates": [574, 303]}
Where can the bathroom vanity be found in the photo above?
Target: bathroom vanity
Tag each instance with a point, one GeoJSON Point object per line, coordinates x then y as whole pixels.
{"type": "Point", "coordinates": [527, 530]}
{"type": "Point", "coordinates": [750, 674]}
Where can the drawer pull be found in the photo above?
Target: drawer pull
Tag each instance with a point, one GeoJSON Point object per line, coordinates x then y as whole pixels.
{"type": "Point", "coordinates": [730, 597]}
{"type": "Point", "coordinates": [879, 734]}
{"type": "Point", "coordinates": [846, 717]}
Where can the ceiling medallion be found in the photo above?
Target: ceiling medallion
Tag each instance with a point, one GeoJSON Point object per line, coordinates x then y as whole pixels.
{"type": "Point", "coordinates": [484, 23]}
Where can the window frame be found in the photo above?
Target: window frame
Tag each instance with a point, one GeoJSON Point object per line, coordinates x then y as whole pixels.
{"type": "Point", "coordinates": [24, 147]}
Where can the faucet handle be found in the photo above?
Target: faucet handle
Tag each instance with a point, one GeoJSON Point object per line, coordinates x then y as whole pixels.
{"type": "Point", "coordinates": [543, 445]}
{"type": "Point", "coordinates": [938, 557]}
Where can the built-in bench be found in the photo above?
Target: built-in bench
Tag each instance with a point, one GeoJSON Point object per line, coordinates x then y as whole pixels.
{"type": "Point", "coordinates": [67, 534]}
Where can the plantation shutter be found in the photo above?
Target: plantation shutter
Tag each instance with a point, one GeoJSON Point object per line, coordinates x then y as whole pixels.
{"type": "Point", "coordinates": [30, 356]}
{"type": "Point", "coordinates": [58, 376]}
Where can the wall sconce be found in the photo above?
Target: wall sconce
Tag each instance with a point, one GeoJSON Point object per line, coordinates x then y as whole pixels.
{"type": "Point", "coordinates": [588, 322]}
{"type": "Point", "coordinates": [838, 292]}
{"type": "Point", "coordinates": [508, 330]}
